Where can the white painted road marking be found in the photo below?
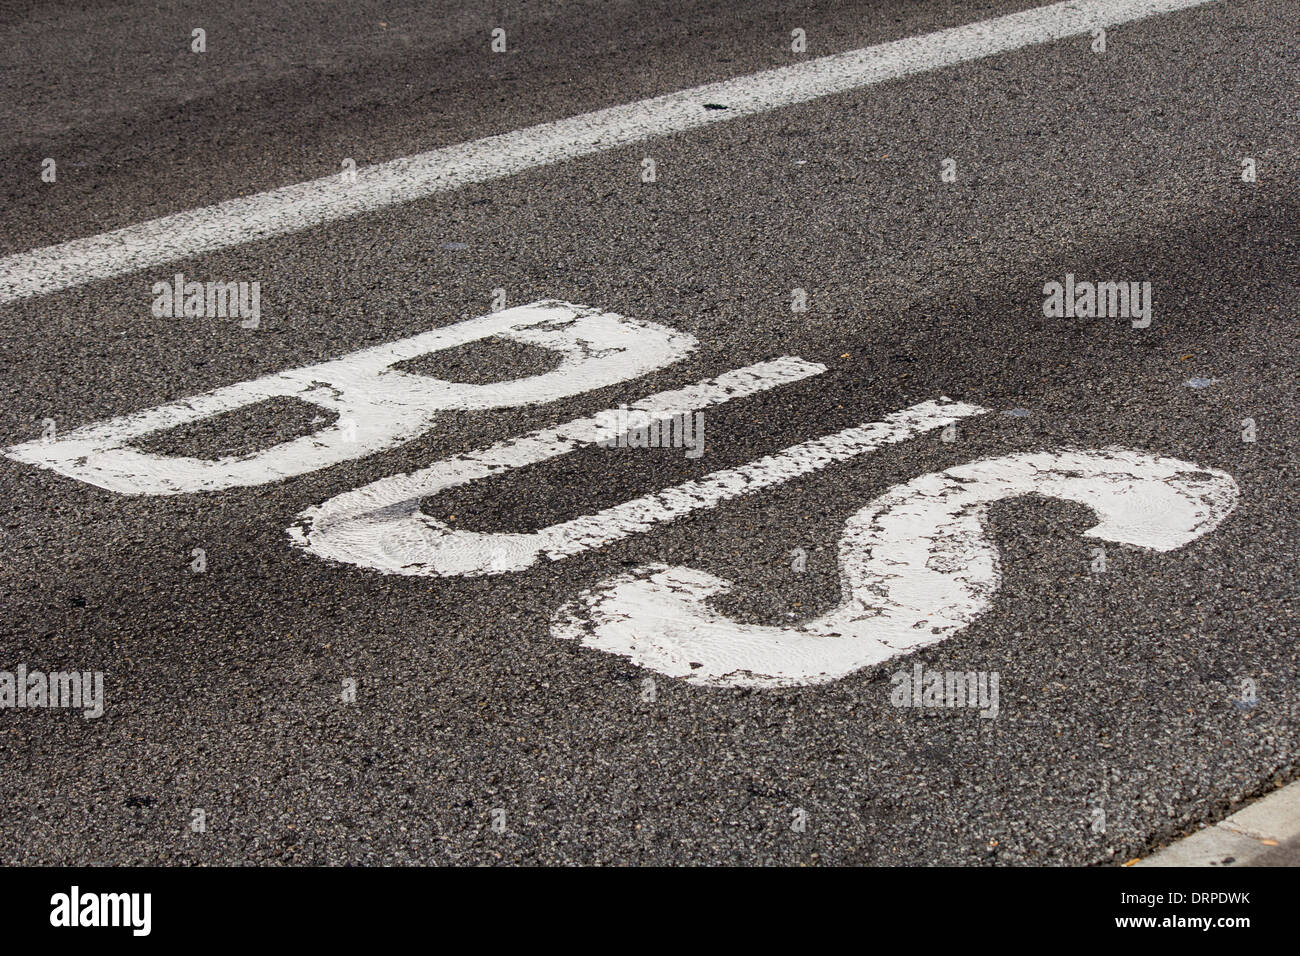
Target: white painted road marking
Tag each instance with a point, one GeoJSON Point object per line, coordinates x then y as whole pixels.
{"type": "Point", "coordinates": [291, 209]}
{"type": "Point", "coordinates": [378, 406]}
{"type": "Point", "coordinates": [917, 566]}
{"type": "Point", "coordinates": [380, 526]}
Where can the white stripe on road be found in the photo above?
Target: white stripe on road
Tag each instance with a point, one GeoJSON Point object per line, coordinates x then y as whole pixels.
{"type": "Point", "coordinates": [303, 205]}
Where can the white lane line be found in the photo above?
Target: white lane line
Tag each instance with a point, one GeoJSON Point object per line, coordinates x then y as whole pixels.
{"type": "Point", "coordinates": [293, 208]}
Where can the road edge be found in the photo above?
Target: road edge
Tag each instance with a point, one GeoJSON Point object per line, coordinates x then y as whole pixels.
{"type": "Point", "coordinates": [1240, 839]}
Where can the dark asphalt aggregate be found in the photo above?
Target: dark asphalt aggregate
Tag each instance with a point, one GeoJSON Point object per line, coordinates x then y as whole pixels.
{"type": "Point", "coordinates": [1118, 690]}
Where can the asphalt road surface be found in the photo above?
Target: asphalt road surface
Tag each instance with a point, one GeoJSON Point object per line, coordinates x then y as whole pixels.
{"type": "Point", "coordinates": [712, 684]}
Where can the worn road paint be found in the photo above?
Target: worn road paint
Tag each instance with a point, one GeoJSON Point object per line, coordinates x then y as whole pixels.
{"type": "Point", "coordinates": [378, 406]}
{"type": "Point", "coordinates": [291, 209]}
{"type": "Point", "coordinates": [381, 526]}
{"type": "Point", "coordinates": [917, 565]}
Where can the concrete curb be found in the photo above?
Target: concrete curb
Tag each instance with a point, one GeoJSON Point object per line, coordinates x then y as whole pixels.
{"type": "Point", "coordinates": [1258, 830]}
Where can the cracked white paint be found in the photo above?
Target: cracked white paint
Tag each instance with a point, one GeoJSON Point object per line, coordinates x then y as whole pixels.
{"type": "Point", "coordinates": [378, 406]}
{"type": "Point", "coordinates": [916, 564]}
{"type": "Point", "coordinates": [380, 526]}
